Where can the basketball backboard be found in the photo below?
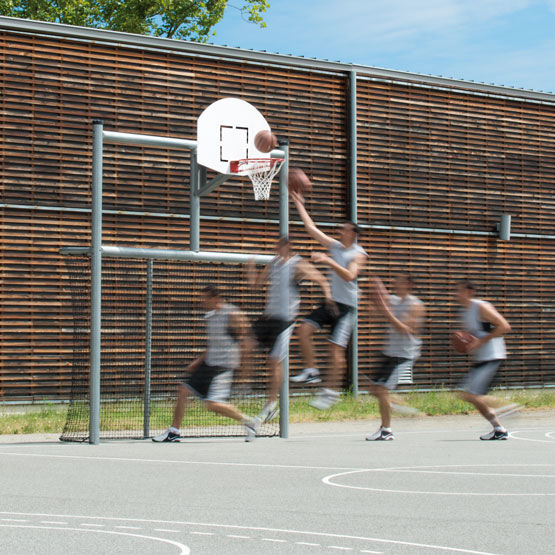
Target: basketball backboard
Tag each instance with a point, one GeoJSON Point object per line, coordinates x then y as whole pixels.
{"type": "Point", "coordinates": [226, 131]}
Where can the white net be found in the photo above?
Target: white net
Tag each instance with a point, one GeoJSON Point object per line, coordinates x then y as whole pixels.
{"type": "Point", "coordinates": [261, 171]}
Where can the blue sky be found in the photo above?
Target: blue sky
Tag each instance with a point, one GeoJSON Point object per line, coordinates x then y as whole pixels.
{"type": "Point", "coordinates": [506, 42]}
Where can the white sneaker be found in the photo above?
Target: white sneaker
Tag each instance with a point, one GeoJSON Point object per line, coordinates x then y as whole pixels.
{"type": "Point", "coordinates": [507, 410]}
{"type": "Point", "coordinates": [169, 435]}
{"type": "Point", "coordinates": [268, 412]}
{"type": "Point", "coordinates": [381, 435]}
{"type": "Point", "coordinates": [324, 399]}
{"type": "Point", "coordinates": [404, 409]}
{"type": "Point", "coordinates": [308, 375]}
{"type": "Point", "coordinates": [251, 428]}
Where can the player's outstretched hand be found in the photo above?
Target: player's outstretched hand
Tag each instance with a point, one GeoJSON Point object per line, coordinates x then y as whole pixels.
{"type": "Point", "coordinates": [319, 257]}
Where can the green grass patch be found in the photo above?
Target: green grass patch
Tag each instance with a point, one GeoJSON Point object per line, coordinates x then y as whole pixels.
{"type": "Point", "coordinates": [50, 418]}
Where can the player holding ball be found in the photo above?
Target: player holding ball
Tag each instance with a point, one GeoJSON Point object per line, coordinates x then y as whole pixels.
{"type": "Point", "coordinates": [487, 349]}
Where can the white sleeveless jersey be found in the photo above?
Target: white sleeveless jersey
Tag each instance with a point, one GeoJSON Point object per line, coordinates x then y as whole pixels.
{"type": "Point", "coordinates": [342, 291]}
{"type": "Point", "coordinates": [283, 293]}
{"type": "Point", "coordinates": [494, 349]}
{"type": "Point", "coordinates": [399, 344]}
{"type": "Point", "coordinates": [223, 349]}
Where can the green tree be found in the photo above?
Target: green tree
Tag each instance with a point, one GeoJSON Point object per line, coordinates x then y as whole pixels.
{"type": "Point", "coordinates": [182, 19]}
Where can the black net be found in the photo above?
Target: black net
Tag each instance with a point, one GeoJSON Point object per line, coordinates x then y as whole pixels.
{"type": "Point", "coordinates": [178, 337]}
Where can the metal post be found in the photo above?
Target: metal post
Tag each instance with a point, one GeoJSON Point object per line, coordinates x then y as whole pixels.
{"type": "Point", "coordinates": [194, 232]}
{"type": "Point", "coordinates": [96, 284]}
{"type": "Point", "coordinates": [354, 216]}
{"type": "Point", "coordinates": [284, 230]}
{"type": "Point", "coordinates": [148, 346]}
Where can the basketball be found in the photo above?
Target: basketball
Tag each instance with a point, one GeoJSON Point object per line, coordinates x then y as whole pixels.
{"type": "Point", "coordinates": [299, 182]}
{"type": "Point", "coordinates": [265, 141]}
{"type": "Point", "coordinates": [461, 341]}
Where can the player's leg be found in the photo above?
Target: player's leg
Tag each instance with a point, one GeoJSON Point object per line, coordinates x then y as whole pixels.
{"type": "Point", "coordinates": [184, 395]}
{"type": "Point", "coordinates": [474, 391]}
{"type": "Point", "coordinates": [314, 321]}
{"type": "Point", "coordinates": [216, 400]}
{"type": "Point", "coordinates": [278, 351]}
{"type": "Point", "coordinates": [384, 432]}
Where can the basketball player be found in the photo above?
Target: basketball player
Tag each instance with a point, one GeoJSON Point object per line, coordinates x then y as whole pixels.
{"type": "Point", "coordinates": [273, 330]}
{"type": "Point", "coordinates": [488, 327]}
{"type": "Point", "coordinates": [344, 259]}
{"type": "Point", "coordinates": [405, 314]}
{"type": "Point", "coordinates": [212, 371]}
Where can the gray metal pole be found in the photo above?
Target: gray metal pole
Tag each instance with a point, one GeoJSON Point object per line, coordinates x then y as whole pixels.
{"type": "Point", "coordinates": [148, 346]}
{"type": "Point", "coordinates": [284, 230]}
{"type": "Point", "coordinates": [354, 216]}
{"type": "Point", "coordinates": [194, 230]}
{"type": "Point", "coordinates": [96, 285]}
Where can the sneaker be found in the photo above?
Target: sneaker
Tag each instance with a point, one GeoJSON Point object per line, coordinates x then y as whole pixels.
{"type": "Point", "coordinates": [251, 428]}
{"type": "Point", "coordinates": [168, 435]}
{"type": "Point", "coordinates": [495, 434]}
{"type": "Point", "coordinates": [268, 412]}
{"type": "Point", "coordinates": [404, 409]}
{"type": "Point", "coordinates": [308, 375]}
{"type": "Point", "coordinates": [324, 399]}
{"type": "Point", "coordinates": [507, 410]}
{"type": "Point", "coordinates": [380, 435]}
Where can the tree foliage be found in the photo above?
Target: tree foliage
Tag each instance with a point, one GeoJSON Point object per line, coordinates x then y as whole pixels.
{"type": "Point", "coordinates": [182, 19]}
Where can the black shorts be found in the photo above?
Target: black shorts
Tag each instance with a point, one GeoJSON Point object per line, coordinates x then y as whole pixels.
{"type": "Point", "coordinates": [390, 371]}
{"type": "Point", "coordinates": [340, 324]}
{"type": "Point", "coordinates": [268, 329]}
{"type": "Point", "coordinates": [211, 383]}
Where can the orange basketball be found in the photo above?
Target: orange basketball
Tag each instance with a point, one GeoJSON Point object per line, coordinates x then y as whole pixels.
{"type": "Point", "coordinates": [265, 141]}
{"type": "Point", "coordinates": [461, 341]}
{"type": "Point", "coordinates": [299, 182]}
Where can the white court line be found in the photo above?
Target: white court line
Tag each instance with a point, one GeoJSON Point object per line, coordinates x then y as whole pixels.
{"type": "Point", "coordinates": [308, 543]}
{"type": "Point", "coordinates": [183, 549]}
{"type": "Point", "coordinates": [273, 540]}
{"type": "Point", "coordinates": [129, 527]}
{"type": "Point", "coordinates": [550, 434]}
{"type": "Point", "coordinates": [167, 461]}
{"type": "Point", "coordinates": [256, 528]}
{"type": "Point", "coordinates": [238, 536]}
{"type": "Point", "coordinates": [339, 547]}
{"type": "Point", "coordinates": [512, 435]}
{"type": "Point", "coordinates": [14, 519]}
{"type": "Point", "coordinates": [93, 525]}
{"type": "Point", "coordinates": [202, 533]}
{"type": "Point", "coordinates": [328, 480]}
{"type": "Point", "coordinates": [52, 522]}
{"type": "Point", "coordinates": [167, 530]}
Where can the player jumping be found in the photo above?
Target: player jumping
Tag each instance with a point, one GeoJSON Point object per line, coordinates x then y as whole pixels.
{"type": "Point", "coordinates": [273, 330]}
{"type": "Point", "coordinates": [345, 259]}
{"type": "Point", "coordinates": [212, 371]}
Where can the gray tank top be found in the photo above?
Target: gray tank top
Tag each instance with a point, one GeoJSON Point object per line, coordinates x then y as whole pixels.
{"type": "Point", "coordinates": [494, 349]}
{"type": "Point", "coordinates": [223, 349]}
{"type": "Point", "coordinates": [399, 344]}
{"type": "Point", "coordinates": [283, 303]}
{"type": "Point", "coordinates": [343, 291]}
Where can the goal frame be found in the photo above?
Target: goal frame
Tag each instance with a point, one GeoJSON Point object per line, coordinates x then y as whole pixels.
{"type": "Point", "coordinates": [199, 187]}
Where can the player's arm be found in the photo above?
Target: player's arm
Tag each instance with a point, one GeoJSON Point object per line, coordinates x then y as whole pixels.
{"type": "Point", "coordinates": [309, 225]}
{"type": "Point", "coordinates": [349, 273]}
{"type": "Point", "coordinates": [501, 327]}
{"type": "Point", "coordinates": [411, 324]}
{"type": "Point", "coordinates": [240, 328]}
{"type": "Point", "coordinates": [305, 270]}
{"type": "Point", "coordinates": [254, 277]}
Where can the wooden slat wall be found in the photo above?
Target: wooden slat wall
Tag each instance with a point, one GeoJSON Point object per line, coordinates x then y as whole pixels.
{"type": "Point", "coordinates": [427, 158]}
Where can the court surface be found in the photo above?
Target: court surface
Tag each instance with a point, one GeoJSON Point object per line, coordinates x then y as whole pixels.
{"type": "Point", "coordinates": [435, 489]}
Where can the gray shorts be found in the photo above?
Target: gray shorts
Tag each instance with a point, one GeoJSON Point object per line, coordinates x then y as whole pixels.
{"type": "Point", "coordinates": [481, 375]}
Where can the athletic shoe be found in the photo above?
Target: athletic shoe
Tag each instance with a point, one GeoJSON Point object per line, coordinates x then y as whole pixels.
{"type": "Point", "coordinates": [507, 410]}
{"type": "Point", "coordinates": [404, 409]}
{"type": "Point", "coordinates": [380, 435]}
{"type": "Point", "coordinates": [324, 399]}
{"type": "Point", "coordinates": [495, 434]}
{"type": "Point", "coordinates": [268, 412]}
{"type": "Point", "coordinates": [168, 435]}
{"type": "Point", "coordinates": [308, 375]}
{"type": "Point", "coordinates": [251, 428]}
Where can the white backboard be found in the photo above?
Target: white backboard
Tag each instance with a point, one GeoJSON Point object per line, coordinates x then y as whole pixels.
{"type": "Point", "coordinates": [226, 131]}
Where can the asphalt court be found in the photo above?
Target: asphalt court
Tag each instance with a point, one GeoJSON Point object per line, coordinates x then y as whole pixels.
{"type": "Point", "coordinates": [436, 488]}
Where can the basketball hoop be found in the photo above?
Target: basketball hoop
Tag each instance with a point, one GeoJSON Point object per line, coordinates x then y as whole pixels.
{"type": "Point", "coordinates": [261, 171]}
